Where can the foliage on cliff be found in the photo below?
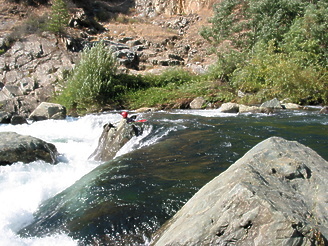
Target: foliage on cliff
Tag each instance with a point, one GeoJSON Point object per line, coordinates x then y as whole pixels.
{"type": "Point", "coordinates": [272, 48]}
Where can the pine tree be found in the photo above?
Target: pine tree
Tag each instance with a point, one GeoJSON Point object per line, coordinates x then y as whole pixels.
{"type": "Point", "coordinates": [58, 17]}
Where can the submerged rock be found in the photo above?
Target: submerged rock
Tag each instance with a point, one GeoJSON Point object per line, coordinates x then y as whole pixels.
{"type": "Point", "coordinates": [275, 195]}
{"type": "Point", "coordinates": [112, 140]}
{"type": "Point", "coordinates": [15, 147]}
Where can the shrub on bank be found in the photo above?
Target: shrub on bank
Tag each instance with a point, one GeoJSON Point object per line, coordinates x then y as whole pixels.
{"type": "Point", "coordinates": [273, 48]}
{"type": "Point", "coordinates": [92, 82]}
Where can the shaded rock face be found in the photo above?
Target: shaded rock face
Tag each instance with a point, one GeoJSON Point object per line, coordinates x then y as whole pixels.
{"type": "Point", "coordinates": [112, 140]}
{"type": "Point", "coordinates": [275, 195]}
{"type": "Point", "coordinates": [48, 111]}
{"type": "Point", "coordinates": [15, 147]}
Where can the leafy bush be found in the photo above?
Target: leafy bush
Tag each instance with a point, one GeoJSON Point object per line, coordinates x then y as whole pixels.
{"type": "Point", "coordinates": [174, 77]}
{"type": "Point", "coordinates": [243, 23]}
{"type": "Point", "coordinates": [93, 81]}
{"type": "Point", "coordinates": [308, 36]}
{"type": "Point", "coordinates": [275, 74]}
{"type": "Point", "coordinates": [273, 48]}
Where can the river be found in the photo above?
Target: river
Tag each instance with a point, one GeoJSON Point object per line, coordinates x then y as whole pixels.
{"type": "Point", "coordinates": [151, 177]}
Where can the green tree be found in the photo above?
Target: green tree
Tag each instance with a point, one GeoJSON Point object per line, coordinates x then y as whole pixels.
{"type": "Point", "coordinates": [243, 23]}
{"type": "Point", "coordinates": [58, 17]}
{"type": "Point", "coordinates": [93, 82]}
{"type": "Point", "coordinates": [273, 48]}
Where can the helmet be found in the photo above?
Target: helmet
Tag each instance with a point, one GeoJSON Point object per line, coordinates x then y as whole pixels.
{"type": "Point", "coordinates": [124, 114]}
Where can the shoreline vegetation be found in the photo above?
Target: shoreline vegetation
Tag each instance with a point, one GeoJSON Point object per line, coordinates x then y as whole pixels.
{"type": "Point", "coordinates": [264, 50]}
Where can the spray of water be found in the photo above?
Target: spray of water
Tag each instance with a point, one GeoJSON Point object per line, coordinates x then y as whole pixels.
{"type": "Point", "coordinates": [24, 186]}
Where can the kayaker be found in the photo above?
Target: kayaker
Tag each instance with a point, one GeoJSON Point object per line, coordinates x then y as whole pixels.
{"type": "Point", "coordinates": [128, 119]}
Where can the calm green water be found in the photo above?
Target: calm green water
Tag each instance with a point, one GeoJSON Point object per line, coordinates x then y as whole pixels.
{"type": "Point", "coordinates": [124, 201]}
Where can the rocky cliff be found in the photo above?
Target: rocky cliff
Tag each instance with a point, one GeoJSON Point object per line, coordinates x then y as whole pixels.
{"type": "Point", "coordinates": [275, 195]}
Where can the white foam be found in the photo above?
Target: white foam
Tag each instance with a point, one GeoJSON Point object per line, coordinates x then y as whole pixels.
{"type": "Point", "coordinates": [205, 113]}
{"type": "Point", "coordinates": [24, 186]}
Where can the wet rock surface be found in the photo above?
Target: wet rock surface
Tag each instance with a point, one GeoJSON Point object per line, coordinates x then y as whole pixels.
{"type": "Point", "coordinates": [20, 148]}
{"type": "Point", "coordinates": [112, 140]}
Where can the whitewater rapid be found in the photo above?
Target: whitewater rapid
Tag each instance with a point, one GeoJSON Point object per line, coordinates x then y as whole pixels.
{"type": "Point", "coordinates": [24, 186]}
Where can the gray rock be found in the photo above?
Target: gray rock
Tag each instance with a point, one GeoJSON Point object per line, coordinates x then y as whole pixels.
{"type": "Point", "coordinates": [127, 58]}
{"type": "Point", "coordinates": [254, 109]}
{"type": "Point", "coordinates": [291, 106]}
{"type": "Point", "coordinates": [145, 110]}
{"type": "Point", "coordinates": [197, 103]}
{"type": "Point", "coordinates": [274, 103]}
{"type": "Point", "coordinates": [249, 109]}
{"type": "Point", "coordinates": [275, 195]}
{"type": "Point", "coordinates": [324, 110]}
{"type": "Point", "coordinates": [9, 92]}
{"type": "Point", "coordinates": [112, 140]}
{"type": "Point", "coordinates": [48, 111]}
{"type": "Point", "coordinates": [19, 148]}
{"type": "Point", "coordinates": [229, 108]}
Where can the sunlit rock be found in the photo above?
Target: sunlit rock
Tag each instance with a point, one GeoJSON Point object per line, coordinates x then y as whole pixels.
{"type": "Point", "coordinates": [20, 148]}
{"type": "Point", "coordinates": [249, 109]}
{"type": "Point", "coordinates": [197, 103]}
{"type": "Point", "coordinates": [48, 111]}
{"type": "Point", "coordinates": [229, 108]}
{"type": "Point", "coordinates": [274, 103]}
{"type": "Point", "coordinates": [145, 109]}
{"type": "Point", "coordinates": [291, 106]}
{"type": "Point", "coordinates": [275, 195]}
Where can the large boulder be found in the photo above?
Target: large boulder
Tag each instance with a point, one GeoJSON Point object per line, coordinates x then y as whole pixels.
{"type": "Point", "coordinates": [112, 140]}
{"type": "Point", "coordinates": [20, 148]}
{"type": "Point", "coordinates": [275, 195]}
{"type": "Point", "coordinates": [48, 111]}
